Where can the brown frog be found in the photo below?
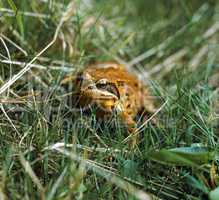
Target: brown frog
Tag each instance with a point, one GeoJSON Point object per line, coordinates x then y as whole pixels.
{"type": "Point", "coordinates": [112, 89]}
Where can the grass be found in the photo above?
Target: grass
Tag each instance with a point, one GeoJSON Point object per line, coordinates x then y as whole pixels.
{"type": "Point", "coordinates": [49, 151]}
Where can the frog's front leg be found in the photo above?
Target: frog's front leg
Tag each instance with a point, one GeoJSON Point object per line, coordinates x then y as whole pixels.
{"type": "Point", "coordinates": [131, 126]}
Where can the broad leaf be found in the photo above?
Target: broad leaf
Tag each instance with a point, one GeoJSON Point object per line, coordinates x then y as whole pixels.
{"type": "Point", "coordinates": [214, 194]}
{"type": "Point", "coordinates": [183, 156]}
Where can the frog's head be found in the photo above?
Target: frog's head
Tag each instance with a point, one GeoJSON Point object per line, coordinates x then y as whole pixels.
{"type": "Point", "coordinates": [100, 92]}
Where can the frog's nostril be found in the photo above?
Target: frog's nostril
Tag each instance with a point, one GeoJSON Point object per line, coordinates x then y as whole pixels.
{"type": "Point", "coordinates": [90, 87]}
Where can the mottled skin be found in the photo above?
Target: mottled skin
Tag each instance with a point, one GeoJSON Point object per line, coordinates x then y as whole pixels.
{"type": "Point", "coordinates": [112, 88]}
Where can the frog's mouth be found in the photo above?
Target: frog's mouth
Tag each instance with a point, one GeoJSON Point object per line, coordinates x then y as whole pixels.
{"type": "Point", "coordinates": [101, 95]}
{"type": "Point", "coordinates": [103, 99]}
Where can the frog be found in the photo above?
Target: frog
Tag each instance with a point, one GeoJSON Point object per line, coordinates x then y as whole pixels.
{"type": "Point", "coordinates": [112, 89]}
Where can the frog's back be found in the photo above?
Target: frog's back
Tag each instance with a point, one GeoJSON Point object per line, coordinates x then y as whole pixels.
{"type": "Point", "coordinates": [115, 73]}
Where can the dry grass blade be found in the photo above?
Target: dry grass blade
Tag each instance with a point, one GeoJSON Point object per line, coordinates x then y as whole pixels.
{"type": "Point", "coordinates": [14, 44]}
{"type": "Point", "coordinates": [90, 149]}
{"type": "Point", "coordinates": [38, 66]}
{"type": "Point", "coordinates": [9, 57]}
{"type": "Point", "coordinates": [169, 62]}
{"type": "Point", "coordinates": [194, 63]}
{"type": "Point", "coordinates": [212, 30]}
{"type": "Point", "coordinates": [8, 118]}
{"type": "Point", "coordinates": [29, 14]}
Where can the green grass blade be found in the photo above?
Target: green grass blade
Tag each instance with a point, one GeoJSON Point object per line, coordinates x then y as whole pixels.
{"type": "Point", "coordinates": [18, 16]}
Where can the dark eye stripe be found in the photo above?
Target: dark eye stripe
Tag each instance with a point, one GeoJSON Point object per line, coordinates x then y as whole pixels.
{"type": "Point", "coordinates": [110, 87]}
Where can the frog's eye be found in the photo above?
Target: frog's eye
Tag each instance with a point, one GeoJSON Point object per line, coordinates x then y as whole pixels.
{"type": "Point", "coordinates": [102, 84]}
{"type": "Point", "coordinates": [110, 87]}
